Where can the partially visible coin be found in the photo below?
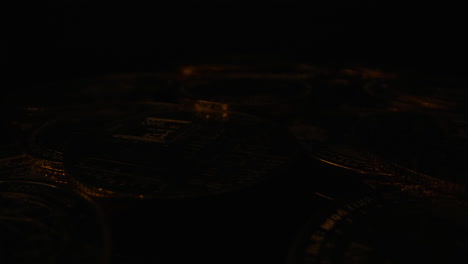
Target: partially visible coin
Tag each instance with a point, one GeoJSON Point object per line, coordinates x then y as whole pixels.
{"type": "Point", "coordinates": [376, 230]}
{"type": "Point", "coordinates": [330, 138]}
{"type": "Point", "coordinates": [408, 127]}
{"type": "Point", "coordinates": [178, 154]}
{"type": "Point", "coordinates": [261, 89]}
{"type": "Point", "coordinates": [41, 223]}
{"type": "Point", "coordinates": [424, 146]}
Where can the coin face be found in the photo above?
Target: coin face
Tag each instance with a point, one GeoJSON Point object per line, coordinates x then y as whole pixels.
{"type": "Point", "coordinates": [177, 154]}
{"type": "Point", "coordinates": [370, 230]}
{"type": "Point", "coordinates": [43, 224]}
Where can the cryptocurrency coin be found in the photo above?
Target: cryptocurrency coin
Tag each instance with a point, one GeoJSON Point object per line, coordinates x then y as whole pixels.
{"type": "Point", "coordinates": [409, 148]}
{"type": "Point", "coordinates": [428, 146]}
{"type": "Point", "coordinates": [375, 230]}
{"type": "Point", "coordinates": [331, 139]}
{"type": "Point", "coordinates": [41, 223]}
{"type": "Point", "coordinates": [406, 127]}
{"type": "Point", "coordinates": [266, 89]}
{"type": "Point", "coordinates": [178, 154]}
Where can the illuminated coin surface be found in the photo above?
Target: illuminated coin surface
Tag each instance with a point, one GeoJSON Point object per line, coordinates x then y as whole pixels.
{"type": "Point", "coordinates": [178, 154]}
{"type": "Point", "coordinates": [250, 88]}
{"type": "Point", "coordinates": [41, 223]}
{"type": "Point", "coordinates": [409, 127]}
{"type": "Point", "coordinates": [374, 230]}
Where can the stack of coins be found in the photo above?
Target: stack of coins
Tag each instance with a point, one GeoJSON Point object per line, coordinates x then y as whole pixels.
{"type": "Point", "coordinates": [235, 162]}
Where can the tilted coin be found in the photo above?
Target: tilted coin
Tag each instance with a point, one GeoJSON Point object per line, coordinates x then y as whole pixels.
{"type": "Point", "coordinates": [423, 146]}
{"type": "Point", "coordinates": [177, 154]}
{"type": "Point", "coordinates": [331, 139]}
{"type": "Point", "coordinates": [376, 230]}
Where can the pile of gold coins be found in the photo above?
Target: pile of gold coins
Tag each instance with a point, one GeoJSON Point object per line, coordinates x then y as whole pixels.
{"type": "Point", "coordinates": [236, 163]}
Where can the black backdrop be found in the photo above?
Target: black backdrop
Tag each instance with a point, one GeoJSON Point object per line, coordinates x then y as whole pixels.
{"type": "Point", "coordinates": [54, 39]}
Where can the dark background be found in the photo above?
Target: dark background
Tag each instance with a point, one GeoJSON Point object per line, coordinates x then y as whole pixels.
{"type": "Point", "coordinates": [57, 40]}
{"type": "Point", "coordinates": [68, 38]}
